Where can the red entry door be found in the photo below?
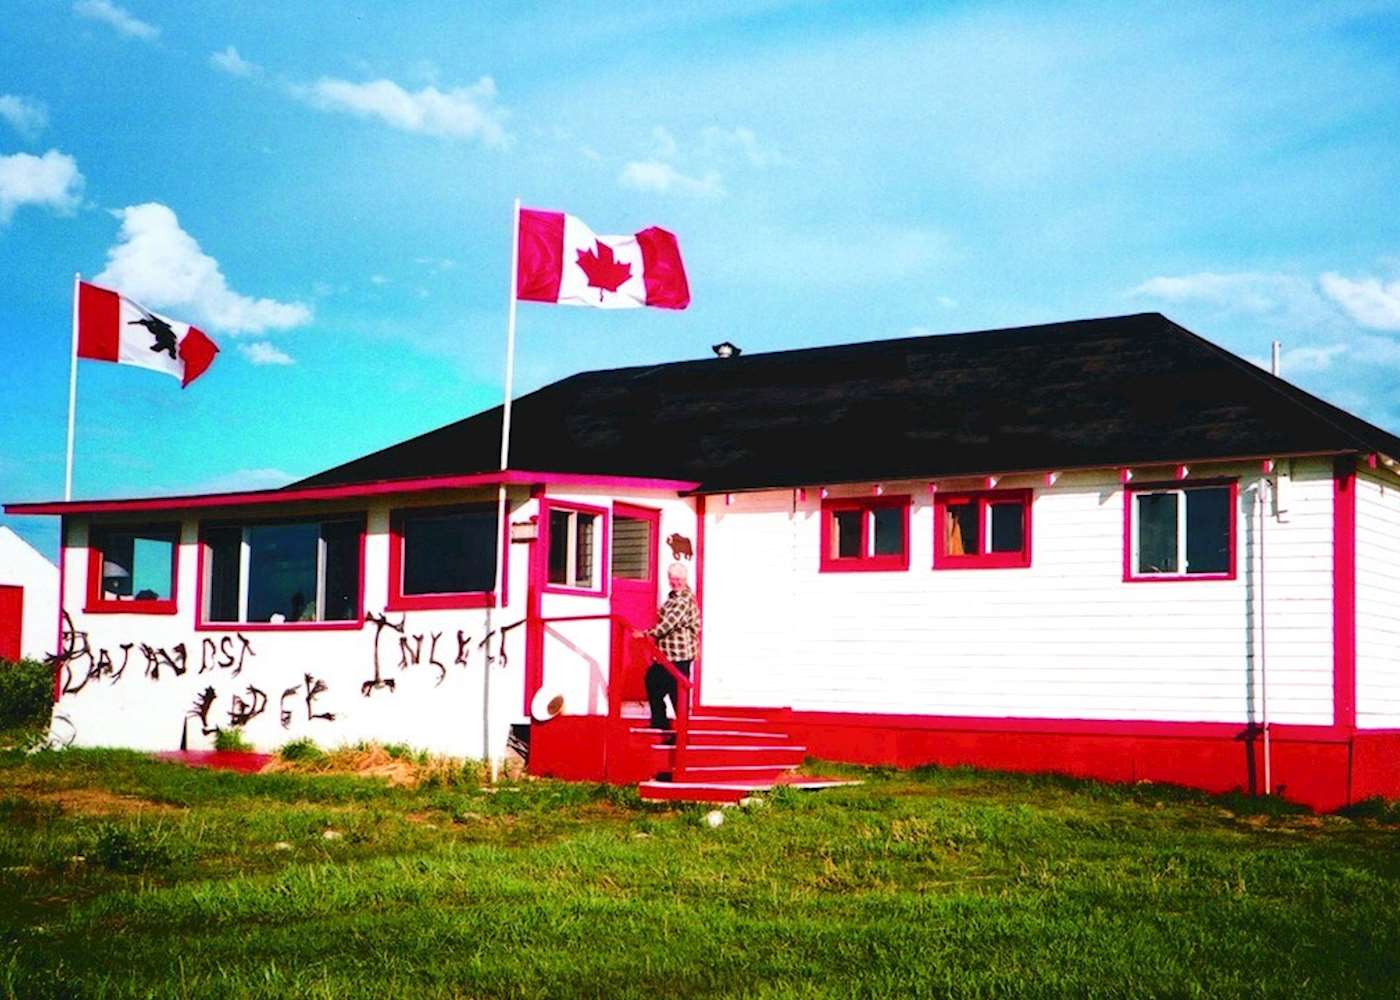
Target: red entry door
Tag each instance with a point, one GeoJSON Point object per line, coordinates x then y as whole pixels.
{"type": "Point", "coordinates": [11, 621]}
{"type": "Point", "coordinates": [633, 568]}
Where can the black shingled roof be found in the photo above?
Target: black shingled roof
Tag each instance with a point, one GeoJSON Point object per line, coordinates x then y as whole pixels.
{"type": "Point", "coordinates": [1125, 390]}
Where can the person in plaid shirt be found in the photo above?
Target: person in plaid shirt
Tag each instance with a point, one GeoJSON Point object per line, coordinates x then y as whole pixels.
{"type": "Point", "coordinates": [676, 631]}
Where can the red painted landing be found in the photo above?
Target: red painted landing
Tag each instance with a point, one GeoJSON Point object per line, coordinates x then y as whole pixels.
{"type": "Point", "coordinates": [222, 760]}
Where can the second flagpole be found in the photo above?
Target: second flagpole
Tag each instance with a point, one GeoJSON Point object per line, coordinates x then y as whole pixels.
{"type": "Point", "coordinates": [492, 757]}
{"type": "Point", "coordinates": [72, 391]}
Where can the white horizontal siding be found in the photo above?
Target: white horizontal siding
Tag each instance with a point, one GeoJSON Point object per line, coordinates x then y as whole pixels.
{"type": "Point", "coordinates": [1066, 638]}
{"type": "Point", "coordinates": [1377, 602]}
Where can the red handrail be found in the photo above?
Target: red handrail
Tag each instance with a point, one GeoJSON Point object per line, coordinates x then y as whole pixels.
{"type": "Point", "coordinates": [621, 633]}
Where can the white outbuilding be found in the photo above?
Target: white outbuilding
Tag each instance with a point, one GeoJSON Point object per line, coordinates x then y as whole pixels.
{"type": "Point", "coordinates": [28, 600]}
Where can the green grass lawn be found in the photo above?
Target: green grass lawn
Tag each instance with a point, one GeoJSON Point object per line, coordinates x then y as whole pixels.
{"type": "Point", "coordinates": [123, 877]}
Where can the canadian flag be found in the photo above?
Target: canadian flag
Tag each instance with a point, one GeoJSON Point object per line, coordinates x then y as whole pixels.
{"type": "Point", "coordinates": [112, 327]}
{"type": "Point", "coordinates": [561, 260]}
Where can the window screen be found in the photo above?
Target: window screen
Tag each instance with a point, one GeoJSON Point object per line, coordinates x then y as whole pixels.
{"type": "Point", "coordinates": [889, 531]}
{"type": "Point", "coordinates": [449, 553]}
{"type": "Point", "coordinates": [137, 564]}
{"type": "Point", "coordinates": [846, 528]}
{"type": "Point", "coordinates": [1208, 530]}
{"type": "Point", "coordinates": [631, 548]}
{"type": "Point", "coordinates": [1156, 529]}
{"type": "Point", "coordinates": [1008, 526]}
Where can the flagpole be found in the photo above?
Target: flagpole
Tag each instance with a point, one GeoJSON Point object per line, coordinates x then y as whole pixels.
{"type": "Point", "coordinates": [504, 543]}
{"type": "Point", "coordinates": [72, 392]}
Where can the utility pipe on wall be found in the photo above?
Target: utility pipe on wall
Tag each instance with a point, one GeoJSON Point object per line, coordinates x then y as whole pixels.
{"type": "Point", "coordinates": [1262, 493]}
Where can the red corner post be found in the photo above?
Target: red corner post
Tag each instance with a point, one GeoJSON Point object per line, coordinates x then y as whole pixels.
{"type": "Point", "coordinates": [1344, 594]}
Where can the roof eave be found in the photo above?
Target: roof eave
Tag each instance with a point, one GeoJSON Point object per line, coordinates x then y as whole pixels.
{"type": "Point", "coordinates": [253, 498]}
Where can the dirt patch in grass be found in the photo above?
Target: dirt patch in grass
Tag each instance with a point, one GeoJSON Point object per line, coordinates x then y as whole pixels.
{"type": "Point", "coordinates": [99, 802]}
{"type": "Point", "coordinates": [374, 761]}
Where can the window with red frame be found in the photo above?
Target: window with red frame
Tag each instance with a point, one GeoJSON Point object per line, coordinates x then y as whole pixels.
{"type": "Point", "coordinates": [987, 530]}
{"type": "Point", "coordinates": [865, 533]}
{"type": "Point", "coordinates": [1181, 532]}
{"type": "Point", "coordinates": [295, 572]}
{"type": "Point", "coordinates": [133, 569]}
{"type": "Point", "coordinates": [443, 557]}
{"type": "Point", "coordinates": [575, 535]}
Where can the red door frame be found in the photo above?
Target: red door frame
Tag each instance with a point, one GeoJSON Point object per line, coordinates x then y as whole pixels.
{"type": "Point", "coordinates": [11, 621]}
{"type": "Point", "coordinates": [638, 595]}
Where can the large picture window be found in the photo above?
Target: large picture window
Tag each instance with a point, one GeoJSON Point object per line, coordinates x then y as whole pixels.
{"type": "Point", "coordinates": [573, 542]}
{"type": "Point", "coordinates": [133, 569]}
{"type": "Point", "coordinates": [985, 530]}
{"type": "Point", "coordinates": [1181, 532]}
{"type": "Point", "coordinates": [283, 573]}
{"type": "Point", "coordinates": [443, 557]}
{"type": "Point", "coordinates": [865, 533]}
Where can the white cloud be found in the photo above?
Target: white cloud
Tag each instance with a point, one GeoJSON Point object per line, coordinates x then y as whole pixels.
{"type": "Point", "coordinates": [654, 175]}
{"type": "Point", "coordinates": [117, 17]}
{"type": "Point", "coordinates": [260, 352]}
{"type": "Point", "coordinates": [231, 62]}
{"type": "Point", "coordinates": [161, 265]}
{"type": "Point", "coordinates": [461, 113]}
{"type": "Point", "coordinates": [1249, 291]}
{"type": "Point", "coordinates": [1288, 300]}
{"type": "Point", "coordinates": [1369, 301]}
{"type": "Point", "coordinates": [725, 142]}
{"type": "Point", "coordinates": [27, 117]}
{"type": "Point", "coordinates": [378, 279]}
{"type": "Point", "coordinates": [51, 181]}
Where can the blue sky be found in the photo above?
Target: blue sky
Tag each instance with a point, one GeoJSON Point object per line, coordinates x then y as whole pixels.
{"type": "Point", "coordinates": [326, 189]}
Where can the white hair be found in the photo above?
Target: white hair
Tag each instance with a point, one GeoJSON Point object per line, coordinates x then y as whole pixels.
{"type": "Point", "coordinates": [678, 569]}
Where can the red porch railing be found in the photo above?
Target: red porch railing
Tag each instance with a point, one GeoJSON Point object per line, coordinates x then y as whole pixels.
{"type": "Point", "coordinates": [623, 642]}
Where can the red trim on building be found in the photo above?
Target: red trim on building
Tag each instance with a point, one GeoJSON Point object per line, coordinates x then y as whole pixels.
{"type": "Point", "coordinates": [1175, 485]}
{"type": "Point", "coordinates": [979, 559]}
{"type": "Point", "coordinates": [600, 555]}
{"type": "Point", "coordinates": [697, 671]}
{"type": "Point", "coordinates": [99, 605]}
{"type": "Point", "coordinates": [1344, 593]}
{"type": "Point", "coordinates": [1311, 764]}
{"type": "Point", "coordinates": [534, 611]}
{"type": "Point", "coordinates": [62, 597]}
{"type": "Point", "coordinates": [512, 477]}
{"type": "Point", "coordinates": [200, 625]}
{"type": "Point", "coordinates": [865, 562]}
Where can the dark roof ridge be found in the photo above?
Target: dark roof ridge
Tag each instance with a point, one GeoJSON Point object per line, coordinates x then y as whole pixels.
{"type": "Point", "coordinates": [1315, 406]}
{"type": "Point", "coordinates": [749, 356]}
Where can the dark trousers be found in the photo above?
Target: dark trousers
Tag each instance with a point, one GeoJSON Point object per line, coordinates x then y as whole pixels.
{"type": "Point", "coordinates": [660, 686]}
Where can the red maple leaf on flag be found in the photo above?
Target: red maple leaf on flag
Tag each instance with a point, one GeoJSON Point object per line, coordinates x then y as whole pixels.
{"type": "Point", "coordinates": [603, 271]}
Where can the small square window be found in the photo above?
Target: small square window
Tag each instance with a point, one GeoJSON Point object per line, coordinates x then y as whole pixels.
{"type": "Point", "coordinates": [1181, 532]}
{"type": "Point", "coordinates": [865, 533]}
{"type": "Point", "coordinates": [986, 530]}
{"type": "Point", "coordinates": [443, 557]}
{"type": "Point", "coordinates": [573, 540]}
{"type": "Point", "coordinates": [133, 569]}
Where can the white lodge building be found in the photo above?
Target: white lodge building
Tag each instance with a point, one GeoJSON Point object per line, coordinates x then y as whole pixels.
{"type": "Point", "coordinates": [1106, 548]}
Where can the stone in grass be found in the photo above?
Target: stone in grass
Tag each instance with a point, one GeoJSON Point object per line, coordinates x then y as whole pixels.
{"type": "Point", "coordinates": [281, 845]}
{"type": "Point", "coordinates": [332, 835]}
{"type": "Point", "coordinates": [752, 802]}
{"type": "Point", "coordinates": [714, 818]}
